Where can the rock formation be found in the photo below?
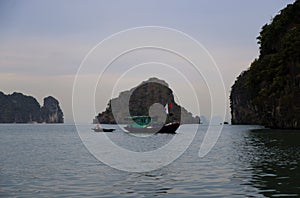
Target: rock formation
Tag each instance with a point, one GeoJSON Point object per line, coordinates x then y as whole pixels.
{"type": "Point", "coordinates": [19, 108]}
{"type": "Point", "coordinates": [139, 100]}
{"type": "Point", "coordinates": [51, 112]}
{"type": "Point", "coordinates": [269, 92]}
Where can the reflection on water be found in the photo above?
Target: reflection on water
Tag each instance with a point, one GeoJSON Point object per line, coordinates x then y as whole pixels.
{"type": "Point", "coordinates": [51, 161]}
{"type": "Point", "coordinates": [274, 156]}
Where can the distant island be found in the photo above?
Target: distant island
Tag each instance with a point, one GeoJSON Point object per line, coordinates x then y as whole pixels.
{"type": "Point", "coordinates": [141, 98]}
{"type": "Point", "coordinates": [19, 108]}
{"type": "Point", "coordinates": [268, 93]}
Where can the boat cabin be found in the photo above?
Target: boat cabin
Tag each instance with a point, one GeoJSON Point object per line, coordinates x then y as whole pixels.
{"type": "Point", "coordinates": [140, 121]}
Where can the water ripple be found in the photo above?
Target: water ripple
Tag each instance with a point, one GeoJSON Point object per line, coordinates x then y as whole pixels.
{"type": "Point", "coordinates": [50, 161]}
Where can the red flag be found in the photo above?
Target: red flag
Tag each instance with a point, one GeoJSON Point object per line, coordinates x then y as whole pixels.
{"type": "Point", "coordinates": [170, 105]}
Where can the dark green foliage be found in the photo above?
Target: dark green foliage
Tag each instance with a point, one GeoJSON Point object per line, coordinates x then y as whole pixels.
{"type": "Point", "coordinates": [150, 93]}
{"type": "Point", "coordinates": [140, 99]}
{"type": "Point", "coordinates": [18, 108]}
{"type": "Point", "coordinates": [269, 92]}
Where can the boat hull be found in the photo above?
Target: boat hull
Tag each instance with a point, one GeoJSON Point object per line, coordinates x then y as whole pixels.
{"type": "Point", "coordinates": [167, 128]}
{"type": "Point", "coordinates": [103, 130]}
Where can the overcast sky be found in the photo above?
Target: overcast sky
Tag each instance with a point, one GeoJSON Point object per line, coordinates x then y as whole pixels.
{"type": "Point", "coordinates": [42, 43]}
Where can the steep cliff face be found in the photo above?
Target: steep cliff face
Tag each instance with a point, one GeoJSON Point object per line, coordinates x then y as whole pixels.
{"type": "Point", "coordinates": [51, 111]}
{"type": "Point", "coordinates": [139, 101]}
{"type": "Point", "coordinates": [268, 93]}
{"type": "Point", "coordinates": [19, 108]}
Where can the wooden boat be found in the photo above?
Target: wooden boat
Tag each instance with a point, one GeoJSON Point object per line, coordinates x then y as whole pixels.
{"type": "Point", "coordinates": [167, 128]}
{"type": "Point", "coordinates": [142, 125]}
{"type": "Point", "coordinates": [99, 129]}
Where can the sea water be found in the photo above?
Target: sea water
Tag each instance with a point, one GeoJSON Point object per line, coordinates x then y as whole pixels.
{"type": "Point", "coordinates": [52, 161]}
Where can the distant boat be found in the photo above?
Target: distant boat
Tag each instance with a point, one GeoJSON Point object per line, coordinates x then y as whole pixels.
{"type": "Point", "coordinates": [142, 124]}
{"type": "Point", "coordinates": [99, 129]}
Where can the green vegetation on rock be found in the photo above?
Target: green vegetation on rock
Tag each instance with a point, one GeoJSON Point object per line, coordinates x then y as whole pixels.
{"type": "Point", "coordinates": [18, 108]}
{"type": "Point", "coordinates": [268, 93]}
{"type": "Point", "coordinates": [139, 100]}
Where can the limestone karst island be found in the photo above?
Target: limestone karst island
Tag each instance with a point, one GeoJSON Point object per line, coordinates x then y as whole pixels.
{"type": "Point", "coordinates": [19, 108]}
{"type": "Point", "coordinates": [268, 93]}
{"type": "Point", "coordinates": [140, 99]}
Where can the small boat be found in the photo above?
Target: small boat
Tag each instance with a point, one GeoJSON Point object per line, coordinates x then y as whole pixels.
{"type": "Point", "coordinates": [142, 124]}
{"type": "Point", "coordinates": [103, 130]}
{"type": "Point", "coordinates": [98, 129]}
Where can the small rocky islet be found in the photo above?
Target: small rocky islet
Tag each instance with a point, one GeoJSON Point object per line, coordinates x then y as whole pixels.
{"type": "Point", "coordinates": [19, 108]}
{"type": "Point", "coordinates": [138, 101]}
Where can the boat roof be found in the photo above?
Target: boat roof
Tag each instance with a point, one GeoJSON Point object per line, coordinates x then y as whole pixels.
{"type": "Point", "coordinates": [139, 117]}
{"type": "Point", "coordinates": [135, 118]}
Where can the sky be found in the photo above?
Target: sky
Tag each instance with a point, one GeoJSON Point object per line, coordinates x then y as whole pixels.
{"type": "Point", "coordinates": [43, 44]}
